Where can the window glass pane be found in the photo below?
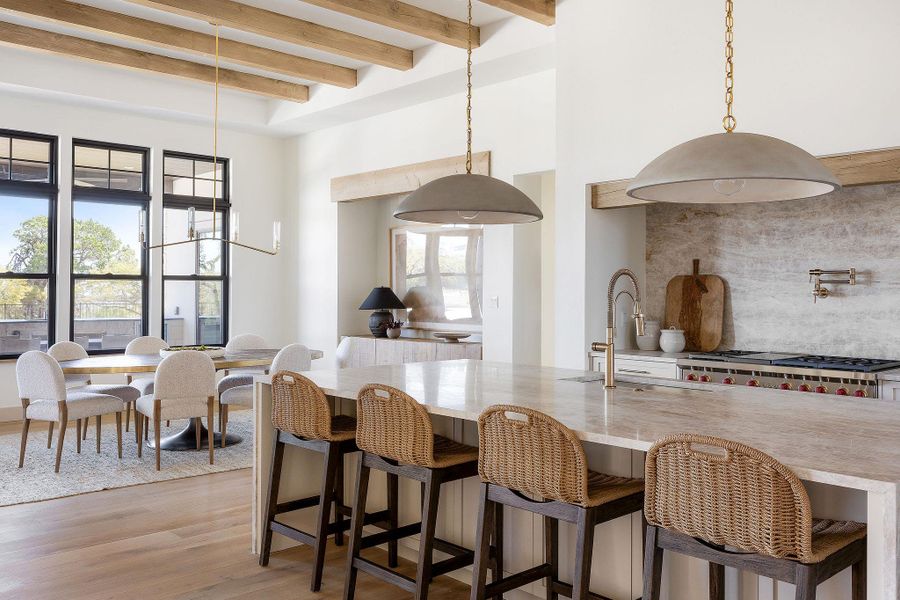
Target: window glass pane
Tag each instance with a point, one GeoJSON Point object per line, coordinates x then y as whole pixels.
{"type": "Point", "coordinates": [92, 157]}
{"type": "Point", "coordinates": [89, 177]}
{"type": "Point", "coordinates": [203, 258]}
{"type": "Point", "coordinates": [23, 315]}
{"type": "Point", "coordinates": [126, 161]}
{"type": "Point", "coordinates": [204, 169]}
{"type": "Point", "coordinates": [181, 186]}
{"type": "Point", "coordinates": [203, 188]}
{"type": "Point", "coordinates": [23, 170]}
{"type": "Point", "coordinates": [105, 238]}
{"type": "Point", "coordinates": [24, 232]}
{"type": "Point", "coordinates": [183, 167]}
{"type": "Point", "coordinates": [4, 168]}
{"type": "Point", "coordinates": [126, 180]}
{"type": "Point", "coordinates": [107, 314]}
{"type": "Point", "coordinates": [31, 150]}
{"type": "Point", "coordinates": [4, 147]}
{"type": "Point", "coordinates": [193, 312]}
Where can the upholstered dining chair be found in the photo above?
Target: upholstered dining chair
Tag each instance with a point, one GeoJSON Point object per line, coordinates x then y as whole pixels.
{"type": "Point", "coordinates": [142, 382]}
{"type": "Point", "coordinates": [237, 390]}
{"type": "Point", "coordinates": [184, 388]}
{"type": "Point", "coordinates": [42, 390]}
{"type": "Point", "coordinates": [246, 341]}
{"type": "Point", "coordinates": [62, 351]}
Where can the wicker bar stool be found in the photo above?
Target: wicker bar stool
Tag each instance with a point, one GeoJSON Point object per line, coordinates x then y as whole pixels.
{"type": "Point", "coordinates": [734, 506]}
{"type": "Point", "coordinates": [302, 417]}
{"type": "Point", "coordinates": [532, 453]}
{"type": "Point", "coordinates": [396, 436]}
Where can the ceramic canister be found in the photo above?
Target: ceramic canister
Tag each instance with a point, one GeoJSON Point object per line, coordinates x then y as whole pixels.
{"type": "Point", "coordinates": [672, 340]}
{"type": "Point", "coordinates": [650, 339]}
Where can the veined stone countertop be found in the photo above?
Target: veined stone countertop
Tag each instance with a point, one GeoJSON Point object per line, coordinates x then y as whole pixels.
{"type": "Point", "coordinates": [890, 375]}
{"type": "Point", "coordinates": [648, 355]}
{"type": "Point", "coordinates": [828, 439]}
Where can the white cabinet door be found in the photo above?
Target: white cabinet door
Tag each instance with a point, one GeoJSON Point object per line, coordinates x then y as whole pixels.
{"type": "Point", "coordinates": [890, 390]}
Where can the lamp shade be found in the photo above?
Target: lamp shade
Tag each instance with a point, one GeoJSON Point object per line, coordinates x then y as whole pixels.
{"type": "Point", "coordinates": [381, 298]}
{"type": "Point", "coordinates": [468, 199]}
{"type": "Point", "coordinates": [733, 168]}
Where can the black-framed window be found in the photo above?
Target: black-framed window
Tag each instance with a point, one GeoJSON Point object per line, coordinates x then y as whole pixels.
{"type": "Point", "coordinates": [195, 275]}
{"type": "Point", "coordinates": [110, 267]}
{"type": "Point", "coordinates": [28, 205]}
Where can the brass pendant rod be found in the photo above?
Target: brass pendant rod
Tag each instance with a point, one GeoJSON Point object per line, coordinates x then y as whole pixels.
{"type": "Point", "coordinates": [728, 121]}
{"type": "Point", "coordinates": [469, 93]}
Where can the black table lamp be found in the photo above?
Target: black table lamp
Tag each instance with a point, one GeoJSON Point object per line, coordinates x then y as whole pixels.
{"type": "Point", "coordinates": [381, 300]}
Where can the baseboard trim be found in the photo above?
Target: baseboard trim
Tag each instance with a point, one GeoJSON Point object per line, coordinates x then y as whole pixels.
{"type": "Point", "coordinates": [10, 413]}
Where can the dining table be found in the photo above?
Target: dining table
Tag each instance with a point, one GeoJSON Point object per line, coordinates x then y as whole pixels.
{"type": "Point", "coordinates": [186, 439]}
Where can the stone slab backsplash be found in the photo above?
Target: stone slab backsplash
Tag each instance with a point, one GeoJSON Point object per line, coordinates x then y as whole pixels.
{"type": "Point", "coordinates": [764, 253]}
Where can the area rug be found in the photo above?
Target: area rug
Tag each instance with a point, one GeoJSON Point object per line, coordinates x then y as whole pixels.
{"type": "Point", "coordinates": [91, 472]}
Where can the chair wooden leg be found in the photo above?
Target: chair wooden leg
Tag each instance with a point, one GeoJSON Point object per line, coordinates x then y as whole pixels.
{"type": "Point", "coordinates": [223, 422]}
{"type": "Point", "coordinates": [138, 426]}
{"type": "Point", "coordinates": [339, 501]}
{"type": "Point", "coordinates": [146, 428]}
{"type": "Point", "coordinates": [87, 420]}
{"type": "Point", "coordinates": [485, 525]}
{"type": "Point", "coordinates": [584, 549]}
{"type": "Point", "coordinates": [157, 424]}
{"type": "Point", "coordinates": [393, 500]}
{"type": "Point", "coordinates": [197, 427]}
{"type": "Point", "coordinates": [356, 527]}
{"type": "Point", "coordinates": [426, 537]}
{"type": "Point", "coordinates": [26, 423]}
{"type": "Point", "coordinates": [497, 572]}
{"type": "Point", "coordinates": [210, 409]}
{"type": "Point", "coordinates": [551, 555]}
{"type": "Point", "coordinates": [806, 583]}
{"type": "Point", "coordinates": [59, 442]}
{"type": "Point", "coordinates": [119, 432]}
{"type": "Point", "coordinates": [271, 499]}
{"type": "Point", "coordinates": [50, 435]}
{"type": "Point", "coordinates": [98, 434]}
{"type": "Point", "coordinates": [326, 498]}
{"type": "Point", "coordinates": [859, 580]}
{"type": "Point", "coordinates": [128, 414]}
{"type": "Point", "coordinates": [78, 435]}
{"type": "Point", "coordinates": [716, 582]}
{"type": "Point", "coordinates": [653, 564]}
{"type": "Point", "coordinates": [168, 423]}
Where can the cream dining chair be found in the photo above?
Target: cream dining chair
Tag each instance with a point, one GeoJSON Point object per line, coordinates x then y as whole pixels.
{"type": "Point", "coordinates": [142, 382]}
{"type": "Point", "coordinates": [184, 388]}
{"type": "Point", "coordinates": [237, 390]}
{"type": "Point", "coordinates": [246, 341]}
{"type": "Point", "coordinates": [42, 390]}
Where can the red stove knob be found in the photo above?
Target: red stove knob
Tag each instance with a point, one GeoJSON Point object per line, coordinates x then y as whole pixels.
{"type": "Point", "coordinates": [753, 383]}
{"type": "Point", "coordinates": [804, 387]}
{"type": "Point", "coordinates": [821, 389]}
{"type": "Point", "coordinates": [842, 391]}
{"type": "Point", "coordinates": [861, 394]}
{"type": "Point", "coordinates": [786, 386]}
{"type": "Point", "coordinates": [705, 378]}
{"type": "Point", "coordinates": [728, 381]}
{"type": "Point", "coordinates": [691, 377]}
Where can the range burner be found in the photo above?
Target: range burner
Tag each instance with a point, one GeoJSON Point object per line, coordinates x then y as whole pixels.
{"type": "Point", "coordinates": [838, 363]}
{"type": "Point", "coordinates": [744, 356]}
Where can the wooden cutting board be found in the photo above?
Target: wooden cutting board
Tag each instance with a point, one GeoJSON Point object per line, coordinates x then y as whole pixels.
{"type": "Point", "coordinates": [696, 303]}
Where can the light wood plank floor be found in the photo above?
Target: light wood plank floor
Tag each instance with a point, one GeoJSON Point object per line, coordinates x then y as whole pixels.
{"type": "Point", "coordinates": [186, 538]}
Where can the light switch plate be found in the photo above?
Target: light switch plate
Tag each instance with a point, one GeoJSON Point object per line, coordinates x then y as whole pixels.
{"type": "Point", "coordinates": [495, 301]}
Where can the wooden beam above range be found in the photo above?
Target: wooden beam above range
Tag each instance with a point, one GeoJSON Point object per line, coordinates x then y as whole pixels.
{"type": "Point", "coordinates": [168, 36]}
{"type": "Point", "coordinates": [406, 17]}
{"type": "Point", "coordinates": [38, 39]}
{"type": "Point", "coordinates": [542, 11]}
{"type": "Point", "coordinates": [853, 168]}
{"type": "Point", "coordinates": [287, 29]}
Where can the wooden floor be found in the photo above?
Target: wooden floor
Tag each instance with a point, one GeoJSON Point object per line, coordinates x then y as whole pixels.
{"type": "Point", "coordinates": [186, 538]}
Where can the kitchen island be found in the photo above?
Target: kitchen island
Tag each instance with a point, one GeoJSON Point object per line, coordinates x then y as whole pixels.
{"type": "Point", "coordinates": [848, 448]}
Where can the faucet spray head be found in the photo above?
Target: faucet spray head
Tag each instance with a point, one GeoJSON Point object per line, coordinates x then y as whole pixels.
{"type": "Point", "coordinates": [638, 317]}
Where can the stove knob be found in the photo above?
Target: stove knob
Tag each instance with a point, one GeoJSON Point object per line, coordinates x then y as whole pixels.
{"type": "Point", "coordinates": [691, 377]}
{"type": "Point", "coordinates": [728, 381]}
{"type": "Point", "coordinates": [842, 391]}
{"type": "Point", "coordinates": [786, 386]}
{"type": "Point", "coordinates": [705, 378]}
{"type": "Point", "coordinates": [861, 394]}
{"type": "Point", "coordinates": [753, 383]}
{"type": "Point", "coordinates": [821, 389]}
{"type": "Point", "coordinates": [804, 387]}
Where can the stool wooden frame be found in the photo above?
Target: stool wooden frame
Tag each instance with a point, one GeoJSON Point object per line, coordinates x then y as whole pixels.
{"type": "Point", "coordinates": [777, 541]}
{"type": "Point", "coordinates": [395, 434]}
{"type": "Point", "coordinates": [556, 470]}
{"type": "Point", "coordinates": [299, 405]}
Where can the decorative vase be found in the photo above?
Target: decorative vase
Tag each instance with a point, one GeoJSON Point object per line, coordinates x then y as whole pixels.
{"type": "Point", "coordinates": [394, 332]}
{"type": "Point", "coordinates": [650, 339]}
{"type": "Point", "coordinates": [378, 321]}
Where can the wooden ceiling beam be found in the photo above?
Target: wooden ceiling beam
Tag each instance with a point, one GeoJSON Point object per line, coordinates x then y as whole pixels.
{"type": "Point", "coordinates": [406, 17]}
{"type": "Point", "coordinates": [287, 29]}
{"type": "Point", "coordinates": [542, 11]}
{"type": "Point", "coordinates": [66, 45]}
{"type": "Point", "coordinates": [167, 36]}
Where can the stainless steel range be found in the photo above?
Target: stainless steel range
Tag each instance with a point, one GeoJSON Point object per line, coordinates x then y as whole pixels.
{"type": "Point", "coordinates": [811, 373]}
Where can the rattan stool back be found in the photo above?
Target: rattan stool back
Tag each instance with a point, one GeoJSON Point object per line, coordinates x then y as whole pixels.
{"type": "Point", "coordinates": [300, 407]}
{"type": "Point", "coordinates": [391, 424]}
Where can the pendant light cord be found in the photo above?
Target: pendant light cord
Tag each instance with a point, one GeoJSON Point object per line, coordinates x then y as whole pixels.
{"type": "Point", "coordinates": [728, 121]}
{"type": "Point", "coordinates": [469, 94]}
{"type": "Point", "coordinates": [215, 134]}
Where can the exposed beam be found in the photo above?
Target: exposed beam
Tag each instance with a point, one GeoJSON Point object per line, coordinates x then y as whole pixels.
{"type": "Point", "coordinates": [288, 29]}
{"type": "Point", "coordinates": [853, 168]}
{"type": "Point", "coordinates": [404, 179]}
{"type": "Point", "coordinates": [134, 28]}
{"type": "Point", "coordinates": [542, 11]}
{"type": "Point", "coordinates": [66, 45]}
{"type": "Point", "coordinates": [406, 17]}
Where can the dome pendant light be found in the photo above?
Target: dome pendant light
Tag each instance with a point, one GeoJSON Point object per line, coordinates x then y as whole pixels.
{"type": "Point", "coordinates": [467, 198]}
{"type": "Point", "coordinates": [732, 167]}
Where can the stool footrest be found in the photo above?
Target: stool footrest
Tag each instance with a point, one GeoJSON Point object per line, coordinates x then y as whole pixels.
{"type": "Point", "coordinates": [300, 504]}
{"type": "Point", "coordinates": [517, 580]}
{"type": "Point", "coordinates": [450, 548]}
{"type": "Point", "coordinates": [385, 574]}
{"type": "Point", "coordinates": [293, 533]}
{"type": "Point", "coordinates": [566, 590]}
{"type": "Point", "coordinates": [451, 564]}
{"type": "Point", "coordinates": [376, 539]}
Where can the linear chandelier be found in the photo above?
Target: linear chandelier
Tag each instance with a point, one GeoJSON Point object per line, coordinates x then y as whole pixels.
{"type": "Point", "coordinates": [192, 237]}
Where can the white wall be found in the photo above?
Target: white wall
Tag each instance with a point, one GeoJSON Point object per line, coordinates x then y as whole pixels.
{"type": "Point", "coordinates": [514, 120]}
{"type": "Point", "coordinates": [257, 191]}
